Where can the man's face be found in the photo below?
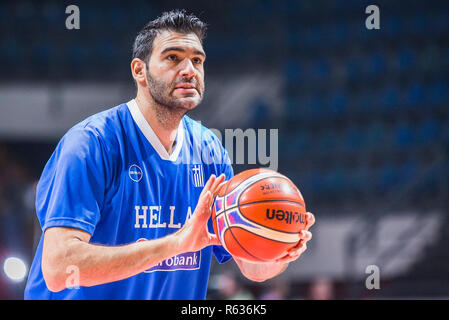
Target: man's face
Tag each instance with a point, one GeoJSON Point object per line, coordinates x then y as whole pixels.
{"type": "Point", "coordinates": [175, 70]}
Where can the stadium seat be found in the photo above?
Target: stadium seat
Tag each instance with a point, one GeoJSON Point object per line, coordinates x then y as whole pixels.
{"type": "Point", "coordinates": [312, 37]}
{"type": "Point", "coordinates": [107, 50]}
{"type": "Point", "coordinates": [387, 177]}
{"type": "Point", "coordinates": [374, 136]}
{"type": "Point", "coordinates": [339, 33]}
{"type": "Point", "coordinates": [445, 132]}
{"type": "Point", "coordinates": [338, 104]}
{"type": "Point", "coordinates": [77, 54]}
{"type": "Point", "coordinates": [404, 135]}
{"type": "Point", "coordinates": [353, 67]}
{"type": "Point", "coordinates": [376, 65]}
{"type": "Point", "coordinates": [389, 98]}
{"type": "Point", "coordinates": [407, 171]}
{"type": "Point", "coordinates": [53, 13]}
{"type": "Point", "coordinates": [301, 143]}
{"type": "Point", "coordinates": [335, 181]}
{"type": "Point", "coordinates": [419, 24]}
{"type": "Point", "coordinates": [314, 107]}
{"type": "Point", "coordinates": [327, 143]}
{"type": "Point", "coordinates": [352, 139]}
{"type": "Point", "coordinates": [438, 93]}
{"type": "Point", "coordinates": [25, 13]}
{"type": "Point", "coordinates": [320, 70]}
{"type": "Point", "coordinates": [3, 16]}
{"type": "Point", "coordinates": [392, 26]}
{"type": "Point", "coordinates": [415, 96]}
{"type": "Point", "coordinates": [292, 72]}
{"type": "Point", "coordinates": [428, 131]}
{"type": "Point", "coordinates": [405, 60]}
{"type": "Point", "coordinates": [356, 179]}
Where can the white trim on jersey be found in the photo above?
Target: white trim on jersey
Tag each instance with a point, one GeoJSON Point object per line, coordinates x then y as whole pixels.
{"type": "Point", "coordinates": [151, 136]}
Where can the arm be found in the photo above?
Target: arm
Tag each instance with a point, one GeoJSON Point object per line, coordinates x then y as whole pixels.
{"type": "Point", "coordinates": [96, 264]}
{"type": "Point", "coordinates": [261, 271]}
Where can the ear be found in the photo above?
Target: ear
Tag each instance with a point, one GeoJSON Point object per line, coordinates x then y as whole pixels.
{"type": "Point", "coordinates": [138, 71]}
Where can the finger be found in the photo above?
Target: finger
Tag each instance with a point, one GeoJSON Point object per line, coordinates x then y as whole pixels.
{"type": "Point", "coordinates": [221, 186]}
{"type": "Point", "coordinates": [215, 186]}
{"type": "Point", "coordinates": [288, 258]}
{"type": "Point", "coordinates": [292, 255]}
{"type": "Point", "coordinates": [298, 248]}
{"type": "Point", "coordinates": [213, 240]}
{"type": "Point", "coordinates": [310, 220]}
{"type": "Point", "coordinates": [209, 182]}
{"type": "Point", "coordinates": [305, 235]}
{"type": "Point", "coordinates": [301, 250]}
{"type": "Point", "coordinates": [202, 209]}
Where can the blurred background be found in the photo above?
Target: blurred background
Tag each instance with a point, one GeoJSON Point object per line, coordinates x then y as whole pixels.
{"type": "Point", "coordinates": [362, 118]}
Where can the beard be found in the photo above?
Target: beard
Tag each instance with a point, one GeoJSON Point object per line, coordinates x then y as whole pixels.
{"type": "Point", "coordinates": [169, 106]}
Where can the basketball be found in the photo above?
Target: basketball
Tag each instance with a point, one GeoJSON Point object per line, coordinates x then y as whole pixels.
{"type": "Point", "coordinates": [258, 215]}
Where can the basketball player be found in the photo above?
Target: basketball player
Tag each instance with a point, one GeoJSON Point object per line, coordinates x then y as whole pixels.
{"type": "Point", "coordinates": [124, 201]}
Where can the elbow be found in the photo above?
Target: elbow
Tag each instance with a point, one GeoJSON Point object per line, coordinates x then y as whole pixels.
{"type": "Point", "coordinates": [53, 285]}
{"type": "Point", "coordinates": [255, 279]}
{"type": "Point", "coordinates": [60, 259]}
{"type": "Point", "coordinates": [53, 278]}
{"type": "Point", "coordinates": [251, 271]}
{"type": "Point", "coordinates": [54, 273]}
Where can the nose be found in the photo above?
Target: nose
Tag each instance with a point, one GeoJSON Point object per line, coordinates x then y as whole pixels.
{"type": "Point", "coordinates": [187, 69]}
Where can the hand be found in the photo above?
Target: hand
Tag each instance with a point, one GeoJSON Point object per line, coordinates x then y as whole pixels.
{"type": "Point", "coordinates": [305, 236]}
{"type": "Point", "coordinates": [194, 235]}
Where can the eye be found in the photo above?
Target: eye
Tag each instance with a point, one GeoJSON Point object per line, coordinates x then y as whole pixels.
{"type": "Point", "coordinates": [172, 57]}
{"type": "Point", "coordinates": [197, 60]}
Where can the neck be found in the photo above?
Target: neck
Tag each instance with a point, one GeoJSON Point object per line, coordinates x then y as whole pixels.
{"type": "Point", "coordinates": [163, 120]}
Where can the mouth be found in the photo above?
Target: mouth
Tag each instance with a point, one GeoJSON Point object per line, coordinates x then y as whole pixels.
{"type": "Point", "coordinates": [186, 88]}
{"type": "Point", "coordinates": [185, 85]}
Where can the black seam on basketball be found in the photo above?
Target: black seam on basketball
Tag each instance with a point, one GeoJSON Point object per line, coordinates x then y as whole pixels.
{"type": "Point", "coordinates": [224, 202]}
{"type": "Point", "coordinates": [217, 215]}
{"type": "Point", "coordinates": [269, 227]}
{"type": "Point", "coordinates": [243, 191]}
{"type": "Point", "coordinates": [232, 234]}
{"type": "Point", "coordinates": [238, 207]}
{"type": "Point", "coordinates": [225, 193]}
{"type": "Point", "coordinates": [280, 200]}
{"type": "Point", "coordinates": [264, 237]}
{"type": "Point", "coordinates": [238, 199]}
{"type": "Point", "coordinates": [258, 223]}
{"type": "Point", "coordinates": [255, 202]}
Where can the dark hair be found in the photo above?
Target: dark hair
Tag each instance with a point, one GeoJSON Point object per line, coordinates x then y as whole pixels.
{"type": "Point", "coordinates": [175, 20]}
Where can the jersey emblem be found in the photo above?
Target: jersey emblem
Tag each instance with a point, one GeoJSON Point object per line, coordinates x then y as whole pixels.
{"type": "Point", "coordinates": [198, 176]}
{"type": "Point", "coordinates": [135, 173]}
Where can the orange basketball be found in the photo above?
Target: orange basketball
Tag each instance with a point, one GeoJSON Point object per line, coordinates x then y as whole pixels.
{"type": "Point", "coordinates": [259, 215]}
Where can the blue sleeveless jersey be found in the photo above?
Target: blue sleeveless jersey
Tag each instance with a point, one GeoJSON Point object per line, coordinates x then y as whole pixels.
{"type": "Point", "coordinates": [111, 177]}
